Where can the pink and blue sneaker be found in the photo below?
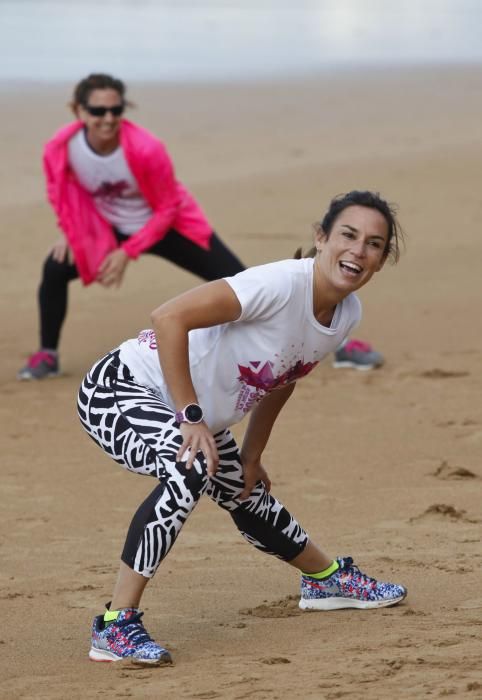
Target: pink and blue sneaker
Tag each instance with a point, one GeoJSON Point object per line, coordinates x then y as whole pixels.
{"type": "Point", "coordinates": [125, 638]}
{"type": "Point", "coordinates": [358, 355]}
{"type": "Point", "coordinates": [40, 365]}
{"type": "Point", "coordinates": [348, 587]}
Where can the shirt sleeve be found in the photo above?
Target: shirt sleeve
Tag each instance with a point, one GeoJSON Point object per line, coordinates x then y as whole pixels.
{"type": "Point", "coordinates": [261, 291]}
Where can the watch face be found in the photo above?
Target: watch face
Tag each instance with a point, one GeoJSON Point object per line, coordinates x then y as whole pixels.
{"type": "Point", "coordinates": [193, 413]}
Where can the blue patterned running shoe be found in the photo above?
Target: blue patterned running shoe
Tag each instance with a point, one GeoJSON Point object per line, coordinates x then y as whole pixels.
{"type": "Point", "coordinates": [348, 587]}
{"type": "Point", "coordinates": [125, 639]}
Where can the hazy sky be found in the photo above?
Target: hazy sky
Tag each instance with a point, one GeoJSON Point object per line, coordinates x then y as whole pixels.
{"type": "Point", "coordinates": [223, 39]}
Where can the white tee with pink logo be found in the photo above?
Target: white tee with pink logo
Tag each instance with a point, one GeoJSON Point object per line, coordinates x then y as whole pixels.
{"type": "Point", "coordinates": [275, 341]}
{"type": "Point", "coordinates": [113, 187]}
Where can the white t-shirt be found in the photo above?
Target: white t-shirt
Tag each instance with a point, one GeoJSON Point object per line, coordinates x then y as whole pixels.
{"type": "Point", "coordinates": [275, 341]}
{"type": "Point", "coordinates": [111, 183]}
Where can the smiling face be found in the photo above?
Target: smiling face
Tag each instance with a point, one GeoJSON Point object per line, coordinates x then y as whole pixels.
{"type": "Point", "coordinates": [102, 131]}
{"type": "Point", "coordinates": [353, 250]}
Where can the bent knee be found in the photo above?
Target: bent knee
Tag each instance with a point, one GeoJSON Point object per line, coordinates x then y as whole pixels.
{"type": "Point", "coordinates": [196, 478]}
{"type": "Point", "coordinates": [54, 272]}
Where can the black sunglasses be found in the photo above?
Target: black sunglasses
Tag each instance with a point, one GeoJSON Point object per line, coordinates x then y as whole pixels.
{"type": "Point", "coordinates": [116, 111]}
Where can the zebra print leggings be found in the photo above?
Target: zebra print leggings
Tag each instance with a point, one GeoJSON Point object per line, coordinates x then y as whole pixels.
{"type": "Point", "coordinates": [138, 430]}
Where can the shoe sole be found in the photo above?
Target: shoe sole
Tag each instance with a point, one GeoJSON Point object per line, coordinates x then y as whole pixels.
{"type": "Point", "coordinates": [29, 378]}
{"type": "Point", "coordinates": [354, 365]}
{"type": "Point", "coordinates": [340, 603]}
{"type": "Point", "coordinates": [102, 655]}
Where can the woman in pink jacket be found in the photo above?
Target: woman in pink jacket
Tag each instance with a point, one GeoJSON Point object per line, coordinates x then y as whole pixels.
{"type": "Point", "coordinates": [114, 190]}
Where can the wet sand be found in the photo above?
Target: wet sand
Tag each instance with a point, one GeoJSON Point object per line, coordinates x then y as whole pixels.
{"type": "Point", "coordinates": [385, 466]}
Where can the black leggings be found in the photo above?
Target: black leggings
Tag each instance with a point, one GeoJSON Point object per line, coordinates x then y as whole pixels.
{"type": "Point", "coordinates": [210, 264]}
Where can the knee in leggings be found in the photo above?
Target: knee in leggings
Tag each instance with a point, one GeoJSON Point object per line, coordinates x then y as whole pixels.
{"type": "Point", "coordinates": [53, 271]}
{"type": "Point", "coordinates": [196, 478]}
{"type": "Point", "coordinates": [265, 523]}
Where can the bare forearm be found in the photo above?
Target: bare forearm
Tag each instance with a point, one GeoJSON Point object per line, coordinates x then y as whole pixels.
{"type": "Point", "coordinates": [173, 351]}
{"type": "Point", "coordinates": [207, 305]}
{"type": "Point", "coordinates": [261, 422]}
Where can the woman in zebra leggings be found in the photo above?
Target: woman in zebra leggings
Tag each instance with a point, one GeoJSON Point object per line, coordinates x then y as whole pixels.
{"type": "Point", "coordinates": [162, 404]}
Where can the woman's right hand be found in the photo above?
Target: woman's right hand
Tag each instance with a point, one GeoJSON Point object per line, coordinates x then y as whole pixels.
{"type": "Point", "coordinates": [61, 251]}
{"type": "Point", "coordinates": [198, 438]}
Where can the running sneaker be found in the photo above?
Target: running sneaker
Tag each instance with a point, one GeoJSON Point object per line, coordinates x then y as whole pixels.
{"type": "Point", "coordinates": [40, 365]}
{"type": "Point", "coordinates": [348, 587]}
{"type": "Point", "coordinates": [359, 355]}
{"type": "Point", "coordinates": [125, 638]}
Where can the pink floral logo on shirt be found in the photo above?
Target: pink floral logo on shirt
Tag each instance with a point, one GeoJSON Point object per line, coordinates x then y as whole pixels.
{"type": "Point", "coordinates": [149, 337]}
{"type": "Point", "coordinates": [111, 190]}
{"type": "Point", "coordinates": [263, 381]}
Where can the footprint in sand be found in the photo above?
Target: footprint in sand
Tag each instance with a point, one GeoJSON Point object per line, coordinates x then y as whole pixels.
{"type": "Point", "coordinates": [437, 373]}
{"type": "Point", "coordinates": [395, 664]}
{"type": "Point", "coordinates": [287, 607]}
{"type": "Point", "coordinates": [474, 686]}
{"type": "Point", "coordinates": [443, 511]}
{"type": "Point", "coordinates": [99, 569]}
{"type": "Point", "coordinates": [447, 472]}
{"type": "Point", "coordinates": [411, 611]}
{"type": "Point", "coordinates": [275, 660]}
{"type": "Point", "coordinates": [447, 643]}
{"type": "Point", "coordinates": [12, 596]}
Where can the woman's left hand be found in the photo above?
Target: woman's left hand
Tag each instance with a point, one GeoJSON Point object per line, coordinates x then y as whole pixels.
{"type": "Point", "coordinates": [253, 471]}
{"type": "Point", "coordinates": [112, 268]}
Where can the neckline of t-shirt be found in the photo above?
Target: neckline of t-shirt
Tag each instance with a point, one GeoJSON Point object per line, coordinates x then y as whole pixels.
{"type": "Point", "coordinates": [94, 153]}
{"type": "Point", "coordinates": [335, 321]}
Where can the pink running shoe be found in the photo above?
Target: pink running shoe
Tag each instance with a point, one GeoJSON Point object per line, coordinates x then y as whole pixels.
{"type": "Point", "coordinates": [40, 365]}
{"type": "Point", "coordinates": [357, 354]}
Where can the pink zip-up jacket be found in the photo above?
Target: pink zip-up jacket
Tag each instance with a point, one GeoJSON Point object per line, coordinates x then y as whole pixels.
{"type": "Point", "coordinates": [89, 235]}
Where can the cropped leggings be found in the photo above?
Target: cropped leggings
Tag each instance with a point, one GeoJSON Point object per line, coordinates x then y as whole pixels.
{"type": "Point", "coordinates": [138, 430]}
{"type": "Point", "coordinates": [210, 264]}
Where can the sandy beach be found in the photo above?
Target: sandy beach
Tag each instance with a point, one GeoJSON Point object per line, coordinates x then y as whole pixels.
{"type": "Point", "coordinates": [386, 465]}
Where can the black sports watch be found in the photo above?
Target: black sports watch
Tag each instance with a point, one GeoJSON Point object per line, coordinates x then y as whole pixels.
{"type": "Point", "coordinates": [192, 413]}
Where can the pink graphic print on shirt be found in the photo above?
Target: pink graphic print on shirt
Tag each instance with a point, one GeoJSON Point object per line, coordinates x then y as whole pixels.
{"type": "Point", "coordinates": [258, 382]}
{"type": "Point", "coordinates": [148, 337]}
{"type": "Point", "coordinates": [111, 190]}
